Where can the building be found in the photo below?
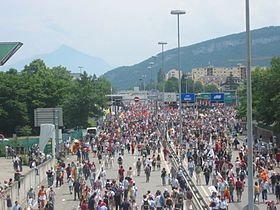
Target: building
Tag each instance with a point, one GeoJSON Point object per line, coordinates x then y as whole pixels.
{"type": "Point", "coordinates": [218, 75]}
{"type": "Point", "coordinates": [76, 76]}
{"type": "Point", "coordinates": [173, 73]}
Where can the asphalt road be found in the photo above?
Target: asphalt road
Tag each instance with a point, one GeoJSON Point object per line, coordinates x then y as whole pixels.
{"type": "Point", "coordinates": [205, 192]}
{"type": "Point", "coordinates": [65, 201]}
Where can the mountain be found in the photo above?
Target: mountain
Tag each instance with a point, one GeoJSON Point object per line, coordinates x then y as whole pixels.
{"type": "Point", "coordinates": [227, 51]}
{"type": "Point", "coordinates": [70, 58]}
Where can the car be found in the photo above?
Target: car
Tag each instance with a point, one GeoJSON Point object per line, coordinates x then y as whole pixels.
{"type": "Point", "coordinates": [5, 139]}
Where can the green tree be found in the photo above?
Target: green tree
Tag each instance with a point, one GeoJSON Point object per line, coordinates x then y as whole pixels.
{"type": "Point", "coordinates": [265, 95]}
{"type": "Point", "coordinates": [38, 86]}
{"type": "Point", "coordinates": [86, 100]}
{"type": "Point", "coordinates": [211, 88]}
{"type": "Point", "coordinates": [171, 85]}
{"type": "Point", "coordinates": [198, 87]}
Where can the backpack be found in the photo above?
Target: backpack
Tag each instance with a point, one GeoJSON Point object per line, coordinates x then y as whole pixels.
{"type": "Point", "coordinates": [147, 170]}
{"type": "Point", "coordinates": [242, 174]}
{"type": "Point", "coordinates": [146, 205]}
{"type": "Point", "coordinates": [161, 200]}
{"type": "Point", "coordinates": [169, 202]}
{"type": "Point", "coordinates": [181, 198]}
{"type": "Point", "coordinates": [189, 195]}
{"type": "Point", "coordinates": [239, 185]}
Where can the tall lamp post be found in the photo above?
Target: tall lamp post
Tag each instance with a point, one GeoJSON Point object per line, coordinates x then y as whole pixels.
{"type": "Point", "coordinates": [150, 69]}
{"type": "Point", "coordinates": [162, 56]}
{"type": "Point", "coordinates": [178, 13]}
{"type": "Point", "coordinates": [249, 111]}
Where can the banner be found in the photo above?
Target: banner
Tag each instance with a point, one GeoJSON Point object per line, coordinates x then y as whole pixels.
{"type": "Point", "coordinates": [47, 132]}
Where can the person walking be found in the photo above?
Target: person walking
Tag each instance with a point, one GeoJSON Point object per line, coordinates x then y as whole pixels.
{"type": "Point", "coordinates": [257, 193]}
{"type": "Point", "coordinates": [158, 162]}
{"type": "Point", "coordinates": [9, 202]}
{"type": "Point", "coordinates": [198, 170]}
{"type": "Point", "coordinates": [189, 197]}
{"type": "Point", "coordinates": [76, 186]}
{"type": "Point", "coordinates": [16, 206]}
{"type": "Point", "coordinates": [147, 172]}
{"type": "Point", "coordinates": [163, 176]}
{"type": "Point", "coordinates": [52, 196]}
{"type": "Point", "coordinates": [42, 197]}
{"type": "Point", "coordinates": [138, 166]}
{"type": "Point", "coordinates": [277, 192]}
{"type": "Point", "coordinates": [239, 188]}
{"type": "Point", "coordinates": [70, 184]}
{"type": "Point", "coordinates": [30, 197]}
{"type": "Point", "coordinates": [223, 204]}
{"type": "Point", "coordinates": [191, 167]}
{"type": "Point", "coordinates": [264, 189]}
{"type": "Point", "coordinates": [206, 172]}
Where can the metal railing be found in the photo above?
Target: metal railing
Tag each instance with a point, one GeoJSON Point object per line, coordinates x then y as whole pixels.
{"type": "Point", "coordinates": [198, 201]}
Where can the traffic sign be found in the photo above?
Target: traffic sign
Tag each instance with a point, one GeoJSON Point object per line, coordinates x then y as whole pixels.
{"type": "Point", "coordinates": [169, 97]}
{"type": "Point", "coordinates": [217, 97]}
{"type": "Point", "coordinates": [188, 97]}
{"type": "Point", "coordinates": [136, 99]}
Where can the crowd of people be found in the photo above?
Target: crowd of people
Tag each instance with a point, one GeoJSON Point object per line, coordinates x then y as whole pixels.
{"type": "Point", "coordinates": [210, 149]}
{"type": "Point", "coordinates": [35, 158]}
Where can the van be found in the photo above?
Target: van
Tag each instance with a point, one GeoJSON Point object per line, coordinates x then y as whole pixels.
{"type": "Point", "coordinates": [92, 130]}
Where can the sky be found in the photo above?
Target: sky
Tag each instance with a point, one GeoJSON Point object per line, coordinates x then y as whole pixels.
{"type": "Point", "coordinates": [124, 32]}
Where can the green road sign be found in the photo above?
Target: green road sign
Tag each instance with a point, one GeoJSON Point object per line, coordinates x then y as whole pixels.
{"type": "Point", "coordinates": [205, 96]}
{"type": "Point", "coordinates": [7, 49]}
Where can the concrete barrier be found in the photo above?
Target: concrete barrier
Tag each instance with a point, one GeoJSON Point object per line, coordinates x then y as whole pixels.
{"type": "Point", "coordinates": [34, 178]}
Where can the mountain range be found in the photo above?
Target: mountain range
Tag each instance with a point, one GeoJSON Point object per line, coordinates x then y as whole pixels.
{"type": "Point", "coordinates": [227, 51]}
{"type": "Point", "coordinates": [68, 57]}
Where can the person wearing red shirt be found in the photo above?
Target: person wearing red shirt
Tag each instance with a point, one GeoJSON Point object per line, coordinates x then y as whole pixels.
{"type": "Point", "coordinates": [84, 205]}
{"type": "Point", "coordinates": [278, 158]}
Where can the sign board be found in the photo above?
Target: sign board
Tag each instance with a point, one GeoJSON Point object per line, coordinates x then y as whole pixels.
{"type": "Point", "coordinates": [136, 99]}
{"type": "Point", "coordinates": [188, 97]}
{"type": "Point", "coordinates": [217, 97]}
{"type": "Point", "coordinates": [48, 116]}
{"type": "Point", "coordinates": [205, 96]}
{"type": "Point", "coordinates": [169, 97]}
{"type": "Point", "coordinates": [7, 50]}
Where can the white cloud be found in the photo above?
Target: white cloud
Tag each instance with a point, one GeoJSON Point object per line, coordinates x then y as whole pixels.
{"type": "Point", "coordinates": [124, 32]}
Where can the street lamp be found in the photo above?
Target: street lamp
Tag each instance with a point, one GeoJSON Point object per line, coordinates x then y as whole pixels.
{"type": "Point", "coordinates": [150, 69]}
{"type": "Point", "coordinates": [249, 111]}
{"type": "Point", "coordinates": [144, 81]}
{"type": "Point", "coordinates": [162, 56]}
{"type": "Point", "coordinates": [178, 13]}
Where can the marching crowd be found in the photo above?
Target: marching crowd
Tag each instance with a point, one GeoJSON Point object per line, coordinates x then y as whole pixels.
{"type": "Point", "coordinates": [210, 149]}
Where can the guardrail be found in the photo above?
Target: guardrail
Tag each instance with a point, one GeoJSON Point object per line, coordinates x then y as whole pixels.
{"type": "Point", "coordinates": [33, 178]}
{"type": "Point", "coordinates": [198, 202]}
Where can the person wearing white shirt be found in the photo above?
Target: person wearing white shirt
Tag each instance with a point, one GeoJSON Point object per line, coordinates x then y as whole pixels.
{"type": "Point", "coordinates": [223, 204]}
{"type": "Point", "coordinates": [174, 183]}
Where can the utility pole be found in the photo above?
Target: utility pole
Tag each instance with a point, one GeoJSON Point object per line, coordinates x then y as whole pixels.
{"type": "Point", "coordinates": [81, 69]}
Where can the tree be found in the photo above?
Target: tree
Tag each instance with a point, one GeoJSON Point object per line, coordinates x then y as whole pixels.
{"type": "Point", "coordinates": [198, 87]}
{"type": "Point", "coordinates": [265, 95]}
{"type": "Point", "coordinates": [211, 88]}
{"type": "Point", "coordinates": [86, 100]}
{"type": "Point", "coordinates": [38, 86]}
{"type": "Point", "coordinates": [171, 85]}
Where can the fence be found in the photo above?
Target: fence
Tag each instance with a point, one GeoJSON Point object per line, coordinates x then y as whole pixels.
{"type": "Point", "coordinates": [34, 178]}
